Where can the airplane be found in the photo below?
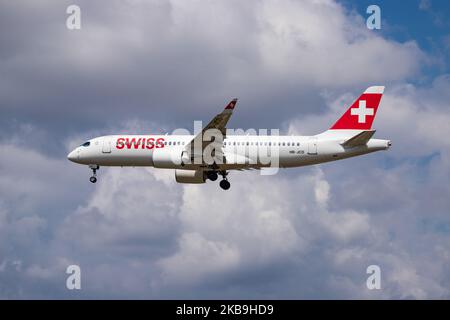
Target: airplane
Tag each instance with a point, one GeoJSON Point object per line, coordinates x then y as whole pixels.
{"type": "Point", "coordinates": [350, 136]}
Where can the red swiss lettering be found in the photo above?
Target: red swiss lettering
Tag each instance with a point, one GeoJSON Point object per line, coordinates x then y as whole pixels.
{"type": "Point", "coordinates": [160, 143]}
{"type": "Point", "coordinates": [120, 144]}
{"type": "Point", "coordinates": [133, 143]}
{"type": "Point", "coordinates": [150, 143]}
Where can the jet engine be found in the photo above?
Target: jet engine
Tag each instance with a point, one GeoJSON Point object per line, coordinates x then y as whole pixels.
{"type": "Point", "coordinates": [190, 176]}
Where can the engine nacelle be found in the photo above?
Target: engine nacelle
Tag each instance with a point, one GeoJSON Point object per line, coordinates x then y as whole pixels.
{"type": "Point", "coordinates": [190, 176]}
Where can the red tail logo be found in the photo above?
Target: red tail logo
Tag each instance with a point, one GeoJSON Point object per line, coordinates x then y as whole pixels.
{"type": "Point", "coordinates": [361, 113]}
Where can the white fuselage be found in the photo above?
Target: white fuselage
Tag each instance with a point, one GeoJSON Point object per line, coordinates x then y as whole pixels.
{"type": "Point", "coordinates": [212, 152]}
{"type": "Point", "coordinates": [239, 152]}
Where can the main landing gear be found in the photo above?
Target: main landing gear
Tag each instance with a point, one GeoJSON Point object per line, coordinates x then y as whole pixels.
{"type": "Point", "coordinates": [213, 175]}
{"type": "Point", "coordinates": [224, 184]}
{"type": "Point", "coordinates": [94, 169]}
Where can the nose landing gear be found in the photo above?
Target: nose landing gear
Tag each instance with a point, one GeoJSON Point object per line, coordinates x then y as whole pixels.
{"type": "Point", "coordinates": [94, 169]}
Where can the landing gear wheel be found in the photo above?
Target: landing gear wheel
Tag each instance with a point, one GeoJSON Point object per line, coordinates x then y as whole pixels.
{"type": "Point", "coordinates": [225, 185]}
{"type": "Point", "coordinates": [94, 169]}
{"type": "Point", "coordinates": [212, 175]}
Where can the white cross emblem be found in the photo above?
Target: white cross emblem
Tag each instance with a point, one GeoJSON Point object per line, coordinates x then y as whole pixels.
{"type": "Point", "coordinates": [362, 111]}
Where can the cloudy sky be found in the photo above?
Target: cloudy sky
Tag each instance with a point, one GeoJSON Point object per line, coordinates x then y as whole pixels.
{"type": "Point", "coordinates": [153, 66]}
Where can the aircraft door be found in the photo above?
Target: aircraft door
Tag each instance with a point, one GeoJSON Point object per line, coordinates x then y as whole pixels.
{"type": "Point", "coordinates": [106, 145]}
{"type": "Point", "coordinates": [312, 146]}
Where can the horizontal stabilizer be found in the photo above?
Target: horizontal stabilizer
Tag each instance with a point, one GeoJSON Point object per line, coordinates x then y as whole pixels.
{"type": "Point", "coordinates": [359, 140]}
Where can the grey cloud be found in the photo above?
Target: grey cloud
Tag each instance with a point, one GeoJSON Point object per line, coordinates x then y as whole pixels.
{"type": "Point", "coordinates": [157, 60]}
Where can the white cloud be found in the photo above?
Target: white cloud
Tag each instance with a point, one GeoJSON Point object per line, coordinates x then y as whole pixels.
{"type": "Point", "coordinates": [128, 206]}
{"type": "Point", "coordinates": [131, 57]}
{"type": "Point", "coordinates": [198, 259]}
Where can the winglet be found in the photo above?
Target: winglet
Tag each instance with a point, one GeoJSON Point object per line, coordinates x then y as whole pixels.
{"type": "Point", "coordinates": [231, 104]}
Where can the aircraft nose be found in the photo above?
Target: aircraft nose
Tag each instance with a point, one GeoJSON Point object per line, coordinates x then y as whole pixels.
{"type": "Point", "coordinates": [72, 156]}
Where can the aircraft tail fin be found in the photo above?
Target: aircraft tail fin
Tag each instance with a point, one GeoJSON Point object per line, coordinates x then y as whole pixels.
{"type": "Point", "coordinates": [362, 112]}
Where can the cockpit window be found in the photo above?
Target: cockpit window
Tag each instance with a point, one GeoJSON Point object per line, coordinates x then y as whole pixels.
{"type": "Point", "coordinates": [86, 144]}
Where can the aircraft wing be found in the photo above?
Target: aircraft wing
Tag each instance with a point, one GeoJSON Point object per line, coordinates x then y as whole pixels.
{"type": "Point", "coordinates": [219, 122]}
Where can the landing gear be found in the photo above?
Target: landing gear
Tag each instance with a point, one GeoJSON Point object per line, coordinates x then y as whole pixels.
{"type": "Point", "coordinates": [224, 184]}
{"type": "Point", "coordinates": [94, 169]}
{"type": "Point", "coordinates": [212, 175]}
